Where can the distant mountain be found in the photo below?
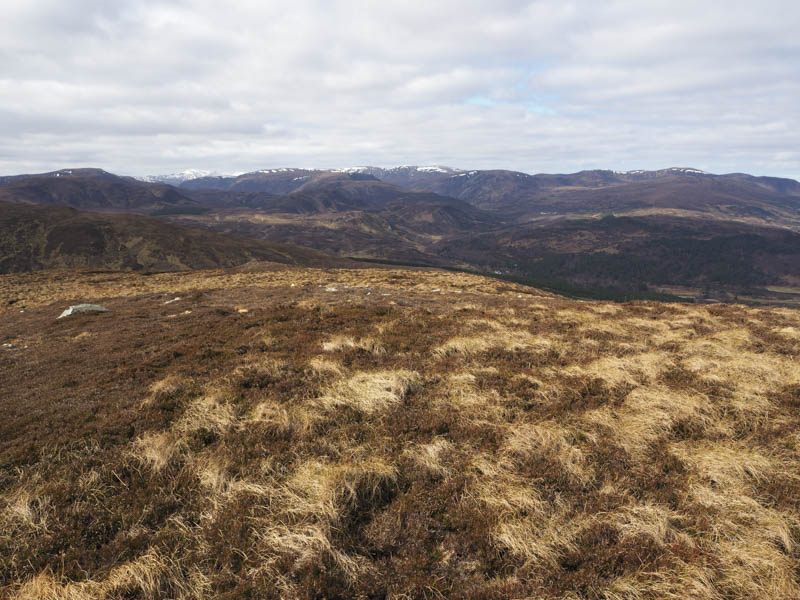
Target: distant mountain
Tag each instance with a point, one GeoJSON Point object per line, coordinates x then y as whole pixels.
{"type": "Point", "coordinates": [768, 200]}
{"type": "Point", "coordinates": [518, 195]}
{"type": "Point", "coordinates": [94, 189]}
{"type": "Point", "coordinates": [632, 230]}
{"type": "Point", "coordinates": [727, 197]}
{"type": "Point", "coordinates": [411, 177]}
{"type": "Point", "coordinates": [287, 180]}
{"type": "Point", "coordinates": [42, 237]}
{"type": "Point", "coordinates": [673, 227]}
{"type": "Point", "coordinates": [178, 178]}
{"type": "Point", "coordinates": [346, 215]}
{"type": "Point", "coordinates": [271, 181]}
{"type": "Point", "coordinates": [333, 192]}
{"type": "Point", "coordinates": [492, 190]}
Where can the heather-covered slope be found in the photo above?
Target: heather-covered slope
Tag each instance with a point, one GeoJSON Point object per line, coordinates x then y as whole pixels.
{"type": "Point", "coordinates": [43, 237]}
{"type": "Point", "coordinates": [391, 434]}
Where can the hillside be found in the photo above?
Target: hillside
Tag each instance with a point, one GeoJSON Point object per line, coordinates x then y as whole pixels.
{"type": "Point", "coordinates": [95, 189]}
{"type": "Point", "coordinates": [44, 237]}
{"type": "Point", "coordinates": [307, 433]}
{"type": "Point", "coordinates": [703, 256]}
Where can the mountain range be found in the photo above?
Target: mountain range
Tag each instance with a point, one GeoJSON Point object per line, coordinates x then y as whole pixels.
{"type": "Point", "coordinates": [620, 234]}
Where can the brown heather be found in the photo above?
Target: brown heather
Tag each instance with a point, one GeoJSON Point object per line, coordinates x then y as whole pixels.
{"type": "Point", "coordinates": [300, 433]}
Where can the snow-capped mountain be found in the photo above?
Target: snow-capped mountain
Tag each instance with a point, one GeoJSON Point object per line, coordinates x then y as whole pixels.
{"type": "Point", "coordinates": [188, 175]}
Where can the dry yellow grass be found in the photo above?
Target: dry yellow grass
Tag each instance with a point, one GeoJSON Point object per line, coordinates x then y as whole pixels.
{"type": "Point", "coordinates": [549, 441]}
{"type": "Point", "coordinates": [210, 412]}
{"type": "Point", "coordinates": [325, 366]}
{"type": "Point", "coordinates": [633, 370]}
{"type": "Point", "coordinates": [650, 413]}
{"type": "Point", "coordinates": [156, 450]}
{"type": "Point", "coordinates": [311, 504]}
{"type": "Point", "coordinates": [26, 506]}
{"type": "Point", "coordinates": [370, 392]}
{"type": "Point", "coordinates": [432, 457]}
{"type": "Point", "coordinates": [170, 386]}
{"type": "Point", "coordinates": [498, 337]}
{"type": "Point", "coordinates": [151, 576]}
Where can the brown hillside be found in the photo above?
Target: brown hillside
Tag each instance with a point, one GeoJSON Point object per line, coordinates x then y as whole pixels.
{"type": "Point", "coordinates": [299, 433]}
{"type": "Point", "coordinates": [43, 237]}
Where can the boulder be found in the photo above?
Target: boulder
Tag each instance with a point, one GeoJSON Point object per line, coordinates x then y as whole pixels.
{"type": "Point", "coordinates": [79, 308]}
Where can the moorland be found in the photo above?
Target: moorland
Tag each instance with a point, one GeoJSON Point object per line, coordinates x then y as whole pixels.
{"type": "Point", "coordinates": [274, 431]}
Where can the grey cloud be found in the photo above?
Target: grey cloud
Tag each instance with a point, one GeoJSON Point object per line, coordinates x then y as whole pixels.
{"type": "Point", "coordinates": [155, 86]}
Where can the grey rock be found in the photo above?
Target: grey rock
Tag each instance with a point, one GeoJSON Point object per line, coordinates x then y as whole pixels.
{"type": "Point", "coordinates": [79, 308]}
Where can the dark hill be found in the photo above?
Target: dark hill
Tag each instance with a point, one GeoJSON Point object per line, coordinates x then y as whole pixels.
{"type": "Point", "coordinates": [637, 253]}
{"type": "Point", "coordinates": [493, 190]}
{"type": "Point", "coordinates": [722, 197]}
{"type": "Point", "coordinates": [41, 237]}
{"type": "Point", "coordinates": [94, 189]}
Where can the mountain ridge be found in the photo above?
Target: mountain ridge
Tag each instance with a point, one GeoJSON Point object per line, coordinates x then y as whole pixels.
{"type": "Point", "coordinates": [549, 229]}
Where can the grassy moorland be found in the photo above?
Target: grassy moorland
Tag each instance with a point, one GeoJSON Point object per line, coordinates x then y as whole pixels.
{"type": "Point", "coordinates": [302, 433]}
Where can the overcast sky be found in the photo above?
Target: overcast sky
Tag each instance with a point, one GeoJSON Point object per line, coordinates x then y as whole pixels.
{"type": "Point", "coordinates": [147, 87]}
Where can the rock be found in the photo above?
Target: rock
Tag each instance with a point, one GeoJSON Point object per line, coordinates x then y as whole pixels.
{"type": "Point", "coordinates": [79, 308]}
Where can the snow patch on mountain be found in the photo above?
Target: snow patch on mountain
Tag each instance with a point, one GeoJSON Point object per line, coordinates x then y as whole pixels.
{"type": "Point", "coordinates": [187, 175]}
{"type": "Point", "coordinates": [355, 170]}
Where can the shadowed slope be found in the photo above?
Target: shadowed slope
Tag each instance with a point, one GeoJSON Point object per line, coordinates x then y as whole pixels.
{"type": "Point", "coordinates": [42, 237]}
{"type": "Point", "coordinates": [94, 189]}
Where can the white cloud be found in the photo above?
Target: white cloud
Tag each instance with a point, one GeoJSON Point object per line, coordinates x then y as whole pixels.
{"type": "Point", "coordinates": [158, 86]}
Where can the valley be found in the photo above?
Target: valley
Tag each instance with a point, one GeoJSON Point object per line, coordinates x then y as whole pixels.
{"type": "Point", "coordinates": [593, 234]}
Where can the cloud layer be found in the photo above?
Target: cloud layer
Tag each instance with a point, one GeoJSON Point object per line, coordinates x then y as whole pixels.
{"type": "Point", "coordinates": [546, 86]}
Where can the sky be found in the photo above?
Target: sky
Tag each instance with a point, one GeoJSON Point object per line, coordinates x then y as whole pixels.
{"type": "Point", "coordinates": [153, 87]}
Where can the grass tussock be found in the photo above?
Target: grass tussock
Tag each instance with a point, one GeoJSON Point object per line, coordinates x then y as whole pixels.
{"type": "Point", "coordinates": [432, 457]}
{"type": "Point", "coordinates": [512, 341]}
{"type": "Point", "coordinates": [156, 450]}
{"type": "Point", "coordinates": [547, 441]}
{"type": "Point", "coordinates": [167, 389]}
{"type": "Point", "coordinates": [150, 576]}
{"type": "Point", "coordinates": [340, 342]}
{"type": "Point", "coordinates": [324, 366]}
{"type": "Point", "coordinates": [26, 507]}
{"type": "Point", "coordinates": [311, 505]}
{"type": "Point", "coordinates": [370, 392]}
